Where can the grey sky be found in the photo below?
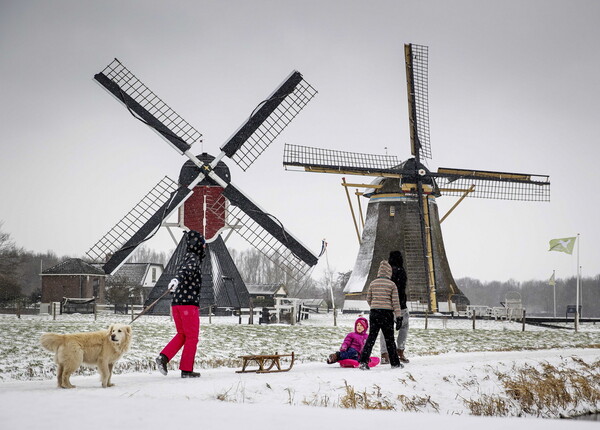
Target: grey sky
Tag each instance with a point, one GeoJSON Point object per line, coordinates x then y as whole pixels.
{"type": "Point", "coordinates": [513, 86]}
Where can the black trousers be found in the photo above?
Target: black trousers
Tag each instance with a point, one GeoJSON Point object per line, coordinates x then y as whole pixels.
{"type": "Point", "coordinates": [381, 319]}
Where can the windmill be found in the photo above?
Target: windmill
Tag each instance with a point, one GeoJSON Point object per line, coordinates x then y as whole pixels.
{"type": "Point", "coordinates": [204, 195]}
{"type": "Point", "coordinates": [402, 211]}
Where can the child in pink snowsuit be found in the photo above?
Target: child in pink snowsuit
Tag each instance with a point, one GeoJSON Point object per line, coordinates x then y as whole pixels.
{"type": "Point", "coordinates": [353, 343]}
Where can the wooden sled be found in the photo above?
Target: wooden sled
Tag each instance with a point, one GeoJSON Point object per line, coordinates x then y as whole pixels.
{"type": "Point", "coordinates": [265, 363]}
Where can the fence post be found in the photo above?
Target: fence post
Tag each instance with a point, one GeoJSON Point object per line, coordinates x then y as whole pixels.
{"type": "Point", "coordinates": [18, 309]}
{"type": "Point", "coordinates": [426, 319]}
{"type": "Point", "coordinates": [95, 311]}
{"type": "Point", "coordinates": [523, 320]}
{"type": "Point", "coordinates": [474, 315]}
{"type": "Point", "coordinates": [53, 311]}
{"type": "Point", "coordinates": [209, 314]}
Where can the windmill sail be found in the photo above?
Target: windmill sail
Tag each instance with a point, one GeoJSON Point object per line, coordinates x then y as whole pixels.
{"type": "Point", "coordinates": [417, 57]}
{"type": "Point", "coordinates": [138, 98]}
{"type": "Point", "coordinates": [494, 185]}
{"type": "Point", "coordinates": [268, 235]}
{"type": "Point", "coordinates": [268, 121]}
{"type": "Point", "coordinates": [330, 161]}
{"type": "Point", "coordinates": [140, 222]}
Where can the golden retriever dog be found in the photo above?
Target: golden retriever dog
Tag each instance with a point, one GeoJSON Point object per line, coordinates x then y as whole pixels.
{"type": "Point", "coordinates": [99, 348]}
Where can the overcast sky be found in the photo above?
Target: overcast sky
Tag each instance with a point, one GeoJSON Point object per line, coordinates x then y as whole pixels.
{"type": "Point", "coordinates": [513, 86]}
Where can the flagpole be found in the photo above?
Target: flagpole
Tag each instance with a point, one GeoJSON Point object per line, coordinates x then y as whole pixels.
{"type": "Point", "coordinates": [577, 293]}
{"type": "Point", "coordinates": [554, 282]}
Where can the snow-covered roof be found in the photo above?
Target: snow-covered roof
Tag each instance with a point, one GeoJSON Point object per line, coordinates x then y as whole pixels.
{"type": "Point", "coordinates": [73, 266]}
{"type": "Point", "coordinates": [135, 273]}
{"type": "Point", "coordinates": [267, 289]}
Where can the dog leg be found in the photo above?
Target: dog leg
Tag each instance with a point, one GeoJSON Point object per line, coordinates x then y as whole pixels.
{"type": "Point", "coordinates": [59, 376]}
{"type": "Point", "coordinates": [110, 370]}
{"type": "Point", "coordinates": [70, 361]}
{"type": "Point", "coordinates": [104, 369]}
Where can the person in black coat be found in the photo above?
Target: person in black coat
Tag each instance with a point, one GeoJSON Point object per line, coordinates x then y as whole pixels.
{"type": "Point", "coordinates": [399, 277]}
{"type": "Point", "coordinates": [185, 308]}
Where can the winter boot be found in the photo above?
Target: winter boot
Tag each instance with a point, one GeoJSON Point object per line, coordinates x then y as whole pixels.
{"type": "Point", "coordinates": [385, 358]}
{"type": "Point", "coordinates": [399, 366]}
{"type": "Point", "coordinates": [401, 356]}
{"type": "Point", "coordinates": [186, 374]}
{"type": "Point", "coordinates": [364, 366]}
{"type": "Point", "coordinates": [333, 358]}
{"type": "Point", "coordinates": [161, 364]}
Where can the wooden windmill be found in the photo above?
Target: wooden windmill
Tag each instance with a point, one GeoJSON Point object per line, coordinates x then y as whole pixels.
{"type": "Point", "coordinates": [402, 211]}
{"type": "Point", "coordinates": [204, 196]}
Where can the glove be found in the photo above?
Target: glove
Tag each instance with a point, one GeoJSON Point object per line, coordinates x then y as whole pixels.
{"type": "Point", "coordinates": [173, 285]}
{"type": "Point", "coordinates": [398, 323]}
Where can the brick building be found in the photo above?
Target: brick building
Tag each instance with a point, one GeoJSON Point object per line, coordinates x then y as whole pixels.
{"type": "Point", "coordinates": [73, 278]}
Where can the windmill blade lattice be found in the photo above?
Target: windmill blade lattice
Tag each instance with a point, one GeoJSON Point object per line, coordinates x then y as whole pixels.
{"type": "Point", "coordinates": [494, 185]}
{"type": "Point", "coordinates": [129, 90]}
{"type": "Point", "coordinates": [417, 59]}
{"type": "Point", "coordinates": [268, 121]}
{"type": "Point", "coordinates": [263, 241]}
{"type": "Point", "coordinates": [267, 235]}
{"type": "Point", "coordinates": [331, 161]}
{"type": "Point", "coordinates": [138, 224]}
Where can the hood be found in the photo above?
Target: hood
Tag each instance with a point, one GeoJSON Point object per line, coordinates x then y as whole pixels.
{"type": "Point", "coordinates": [395, 259]}
{"type": "Point", "coordinates": [364, 323]}
{"type": "Point", "coordinates": [195, 242]}
{"type": "Point", "coordinates": [385, 270]}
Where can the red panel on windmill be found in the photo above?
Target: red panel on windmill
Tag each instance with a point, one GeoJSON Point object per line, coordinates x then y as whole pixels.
{"type": "Point", "coordinates": [205, 211]}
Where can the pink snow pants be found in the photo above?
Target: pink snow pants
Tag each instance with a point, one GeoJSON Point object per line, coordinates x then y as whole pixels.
{"type": "Point", "coordinates": [187, 323]}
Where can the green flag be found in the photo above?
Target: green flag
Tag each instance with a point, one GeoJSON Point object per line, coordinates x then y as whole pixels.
{"type": "Point", "coordinates": [565, 244]}
{"type": "Point", "coordinates": [552, 281]}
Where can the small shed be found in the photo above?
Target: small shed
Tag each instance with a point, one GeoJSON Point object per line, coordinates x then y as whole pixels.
{"type": "Point", "coordinates": [263, 295]}
{"type": "Point", "coordinates": [73, 278]}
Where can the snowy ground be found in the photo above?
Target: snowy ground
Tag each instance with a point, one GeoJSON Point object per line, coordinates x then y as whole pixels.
{"type": "Point", "coordinates": [437, 383]}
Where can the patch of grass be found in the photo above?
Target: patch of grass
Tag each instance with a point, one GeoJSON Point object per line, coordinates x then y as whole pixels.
{"type": "Point", "coordinates": [543, 391]}
{"type": "Point", "coordinates": [489, 406]}
{"type": "Point", "coordinates": [417, 403]}
{"type": "Point", "coordinates": [365, 400]}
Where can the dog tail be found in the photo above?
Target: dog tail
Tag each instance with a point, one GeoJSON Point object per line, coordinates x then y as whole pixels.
{"type": "Point", "coordinates": [51, 341]}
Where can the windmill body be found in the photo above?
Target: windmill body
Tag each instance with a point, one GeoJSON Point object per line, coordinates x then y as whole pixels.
{"type": "Point", "coordinates": [392, 223]}
{"type": "Point", "coordinates": [204, 196]}
{"type": "Point", "coordinates": [402, 212]}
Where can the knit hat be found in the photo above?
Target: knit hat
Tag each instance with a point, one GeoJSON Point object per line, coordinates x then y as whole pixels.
{"type": "Point", "coordinates": [362, 321]}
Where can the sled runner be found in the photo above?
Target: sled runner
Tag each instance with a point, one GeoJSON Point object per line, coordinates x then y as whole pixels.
{"type": "Point", "coordinates": [265, 363]}
{"type": "Point", "coordinates": [348, 362]}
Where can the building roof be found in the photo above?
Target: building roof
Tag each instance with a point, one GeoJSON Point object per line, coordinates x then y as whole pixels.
{"type": "Point", "coordinates": [73, 266]}
{"type": "Point", "coordinates": [314, 302]}
{"type": "Point", "coordinates": [134, 273]}
{"type": "Point", "coordinates": [264, 288]}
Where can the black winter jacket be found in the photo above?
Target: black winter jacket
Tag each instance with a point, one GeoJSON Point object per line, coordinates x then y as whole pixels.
{"type": "Point", "coordinates": [189, 273]}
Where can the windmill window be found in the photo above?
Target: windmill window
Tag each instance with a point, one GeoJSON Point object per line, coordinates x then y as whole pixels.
{"type": "Point", "coordinates": [154, 274]}
{"type": "Point", "coordinates": [392, 210]}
